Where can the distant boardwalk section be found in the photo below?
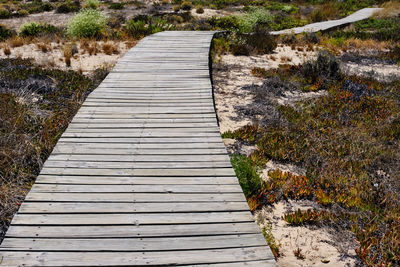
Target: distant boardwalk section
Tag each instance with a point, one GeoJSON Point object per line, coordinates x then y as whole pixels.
{"type": "Point", "coordinates": [325, 25]}
{"type": "Point", "coordinates": [141, 176]}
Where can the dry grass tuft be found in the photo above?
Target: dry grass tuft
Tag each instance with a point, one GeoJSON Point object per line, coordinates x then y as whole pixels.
{"type": "Point", "coordinates": [6, 50]}
{"type": "Point", "coordinates": [44, 47]}
{"type": "Point", "coordinates": [17, 41]}
{"type": "Point", "coordinates": [390, 9]}
{"type": "Point", "coordinates": [110, 48]}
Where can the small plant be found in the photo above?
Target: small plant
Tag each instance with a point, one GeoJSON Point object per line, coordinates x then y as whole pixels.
{"type": "Point", "coordinates": [35, 29]}
{"type": "Point", "coordinates": [199, 10]}
{"type": "Point", "coordinates": [117, 6]}
{"type": "Point", "coordinates": [87, 23]}
{"type": "Point", "coordinates": [258, 17]}
{"type": "Point", "coordinates": [297, 253]}
{"type": "Point", "coordinates": [16, 41]}
{"type": "Point", "coordinates": [267, 232]}
{"type": "Point", "coordinates": [4, 32]}
{"type": "Point", "coordinates": [93, 4]}
{"type": "Point", "coordinates": [22, 13]}
{"type": "Point", "coordinates": [300, 217]}
{"type": "Point", "coordinates": [186, 5]}
{"type": "Point", "coordinates": [176, 8]}
{"type": "Point", "coordinates": [67, 55]}
{"type": "Point", "coordinates": [68, 6]}
{"type": "Point", "coordinates": [325, 67]}
{"type": "Point", "coordinates": [110, 48]}
{"type": "Point", "coordinates": [4, 13]}
{"type": "Point", "coordinates": [6, 50]}
{"type": "Point", "coordinates": [146, 26]}
{"type": "Point", "coordinates": [247, 174]}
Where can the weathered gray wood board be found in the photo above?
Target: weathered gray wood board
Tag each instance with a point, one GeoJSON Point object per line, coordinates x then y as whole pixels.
{"type": "Point", "coordinates": [325, 25]}
{"type": "Point", "coordinates": [141, 176]}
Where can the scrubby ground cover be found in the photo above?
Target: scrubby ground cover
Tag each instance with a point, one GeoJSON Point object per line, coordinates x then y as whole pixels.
{"type": "Point", "coordinates": [344, 141]}
{"type": "Point", "coordinates": [334, 154]}
{"type": "Point", "coordinates": [36, 105]}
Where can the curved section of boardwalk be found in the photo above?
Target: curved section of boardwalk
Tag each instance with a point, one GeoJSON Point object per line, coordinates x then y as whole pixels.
{"type": "Point", "coordinates": [141, 176]}
{"type": "Point", "coordinates": [325, 25]}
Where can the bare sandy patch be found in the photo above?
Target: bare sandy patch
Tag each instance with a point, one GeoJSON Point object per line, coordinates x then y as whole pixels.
{"type": "Point", "coordinates": [380, 72]}
{"type": "Point", "coordinates": [208, 13]}
{"type": "Point", "coordinates": [54, 57]}
{"type": "Point", "coordinates": [232, 73]}
{"type": "Point", "coordinates": [317, 245]}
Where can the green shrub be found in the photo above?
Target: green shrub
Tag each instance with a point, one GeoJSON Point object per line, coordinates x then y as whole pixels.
{"type": "Point", "coordinates": [117, 5]}
{"type": "Point", "coordinates": [186, 5]}
{"type": "Point", "coordinates": [22, 13]}
{"type": "Point", "coordinates": [147, 25]}
{"type": "Point", "coordinates": [35, 29]}
{"type": "Point", "coordinates": [199, 10]}
{"type": "Point", "coordinates": [326, 66]}
{"type": "Point", "coordinates": [225, 23]}
{"type": "Point", "coordinates": [68, 6]}
{"type": "Point", "coordinates": [4, 32]}
{"type": "Point", "coordinates": [247, 174]}
{"type": "Point", "coordinates": [261, 41]}
{"type": "Point", "coordinates": [93, 4]}
{"type": "Point", "coordinates": [4, 13]}
{"type": "Point", "coordinates": [87, 23]}
{"type": "Point", "coordinates": [258, 16]}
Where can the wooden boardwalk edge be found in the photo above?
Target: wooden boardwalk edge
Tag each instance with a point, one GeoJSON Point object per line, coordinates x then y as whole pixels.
{"type": "Point", "coordinates": [141, 176]}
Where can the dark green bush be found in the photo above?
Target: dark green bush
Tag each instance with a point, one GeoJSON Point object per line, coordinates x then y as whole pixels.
{"type": "Point", "coordinates": [117, 5]}
{"type": "Point", "coordinates": [4, 13]}
{"type": "Point", "coordinates": [35, 29]}
{"type": "Point", "coordinates": [261, 41]}
{"type": "Point", "coordinates": [143, 26]}
{"type": "Point", "coordinates": [68, 6]}
{"type": "Point", "coordinates": [186, 5]}
{"type": "Point", "coordinates": [4, 32]}
{"type": "Point", "coordinates": [199, 10]}
{"type": "Point", "coordinates": [326, 66]}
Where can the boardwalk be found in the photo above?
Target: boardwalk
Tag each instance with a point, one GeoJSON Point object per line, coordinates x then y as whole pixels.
{"type": "Point", "coordinates": [141, 176]}
{"type": "Point", "coordinates": [325, 25]}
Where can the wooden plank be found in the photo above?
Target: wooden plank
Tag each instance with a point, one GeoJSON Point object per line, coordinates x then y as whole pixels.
{"type": "Point", "coordinates": [71, 188]}
{"type": "Point", "coordinates": [135, 197]}
{"type": "Point", "coordinates": [134, 244]}
{"type": "Point", "coordinates": [140, 172]}
{"type": "Point", "coordinates": [67, 179]}
{"type": "Point", "coordinates": [136, 165]}
{"type": "Point", "coordinates": [137, 158]}
{"type": "Point", "coordinates": [107, 231]}
{"type": "Point", "coordinates": [232, 255]}
{"type": "Point", "coordinates": [57, 207]}
{"type": "Point", "coordinates": [131, 219]}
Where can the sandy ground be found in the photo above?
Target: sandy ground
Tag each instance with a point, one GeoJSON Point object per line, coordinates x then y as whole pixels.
{"type": "Point", "coordinates": [208, 13]}
{"type": "Point", "coordinates": [233, 73]}
{"type": "Point", "coordinates": [318, 246]}
{"type": "Point", "coordinates": [81, 61]}
{"type": "Point", "coordinates": [380, 72]}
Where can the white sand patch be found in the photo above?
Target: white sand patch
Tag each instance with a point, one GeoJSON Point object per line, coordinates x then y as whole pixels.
{"type": "Point", "coordinates": [208, 13]}
{"type": "Point", "coordinates": [380, 72]}
{"type": "Point", "coordinates": [271, 166]}
{"type": "Point", "coordinates": [316, 244]}
{"type": "Point", "coordinates": [235, 73]}
{"type": "Point", "coordinates": [54, 58]}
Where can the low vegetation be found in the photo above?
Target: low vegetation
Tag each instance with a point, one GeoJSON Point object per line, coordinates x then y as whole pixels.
{"type": "Point", "coordinates": [348, 143]}
{"type": "Point", "coordinates": [32, 121]}
{"type": "Point", "coordinates": [87, 23]}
